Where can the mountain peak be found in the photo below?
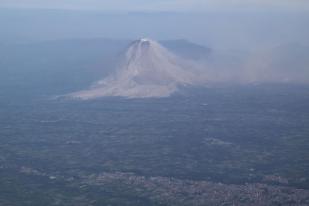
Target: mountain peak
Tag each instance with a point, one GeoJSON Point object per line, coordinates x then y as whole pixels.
{"type": "Point", "coordinates": [145, 40]}
{"type": "Point", "coordinates": [148, 70]}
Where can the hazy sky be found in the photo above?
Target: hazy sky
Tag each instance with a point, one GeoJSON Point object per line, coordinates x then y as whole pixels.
{"type": "Point", "coordinates": [161, 5]}
{"type": "Point", "coordinates": [216, 23]}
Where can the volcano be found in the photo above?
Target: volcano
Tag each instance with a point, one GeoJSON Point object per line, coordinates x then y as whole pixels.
{"type": "Point", "coordinates": [147, 69]}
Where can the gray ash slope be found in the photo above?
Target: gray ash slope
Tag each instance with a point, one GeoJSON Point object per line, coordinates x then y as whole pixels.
{"type": "Point", "coordinates": [147, 69]}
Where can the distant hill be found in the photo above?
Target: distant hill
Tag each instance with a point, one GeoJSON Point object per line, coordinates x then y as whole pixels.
{"type": "Point", "coordinates": [187, 49]}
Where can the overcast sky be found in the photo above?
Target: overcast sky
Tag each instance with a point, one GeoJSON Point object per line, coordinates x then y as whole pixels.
{"type": "Point", "coordinates": [158, 5]}
{"type": "Point", "coordinates": [216, 23]}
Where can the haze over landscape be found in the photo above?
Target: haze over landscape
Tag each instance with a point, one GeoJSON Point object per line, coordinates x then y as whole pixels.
{"type": "Point", "coordinates": [152, 103]}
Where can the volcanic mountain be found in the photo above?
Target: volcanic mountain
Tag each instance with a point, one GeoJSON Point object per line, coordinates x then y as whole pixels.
{"type": "Point", "coordinates": [147, 69]}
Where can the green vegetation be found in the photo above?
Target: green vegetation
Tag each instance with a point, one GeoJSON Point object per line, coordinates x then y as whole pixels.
{"type": "Point", "coordinates": [53, 152]}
